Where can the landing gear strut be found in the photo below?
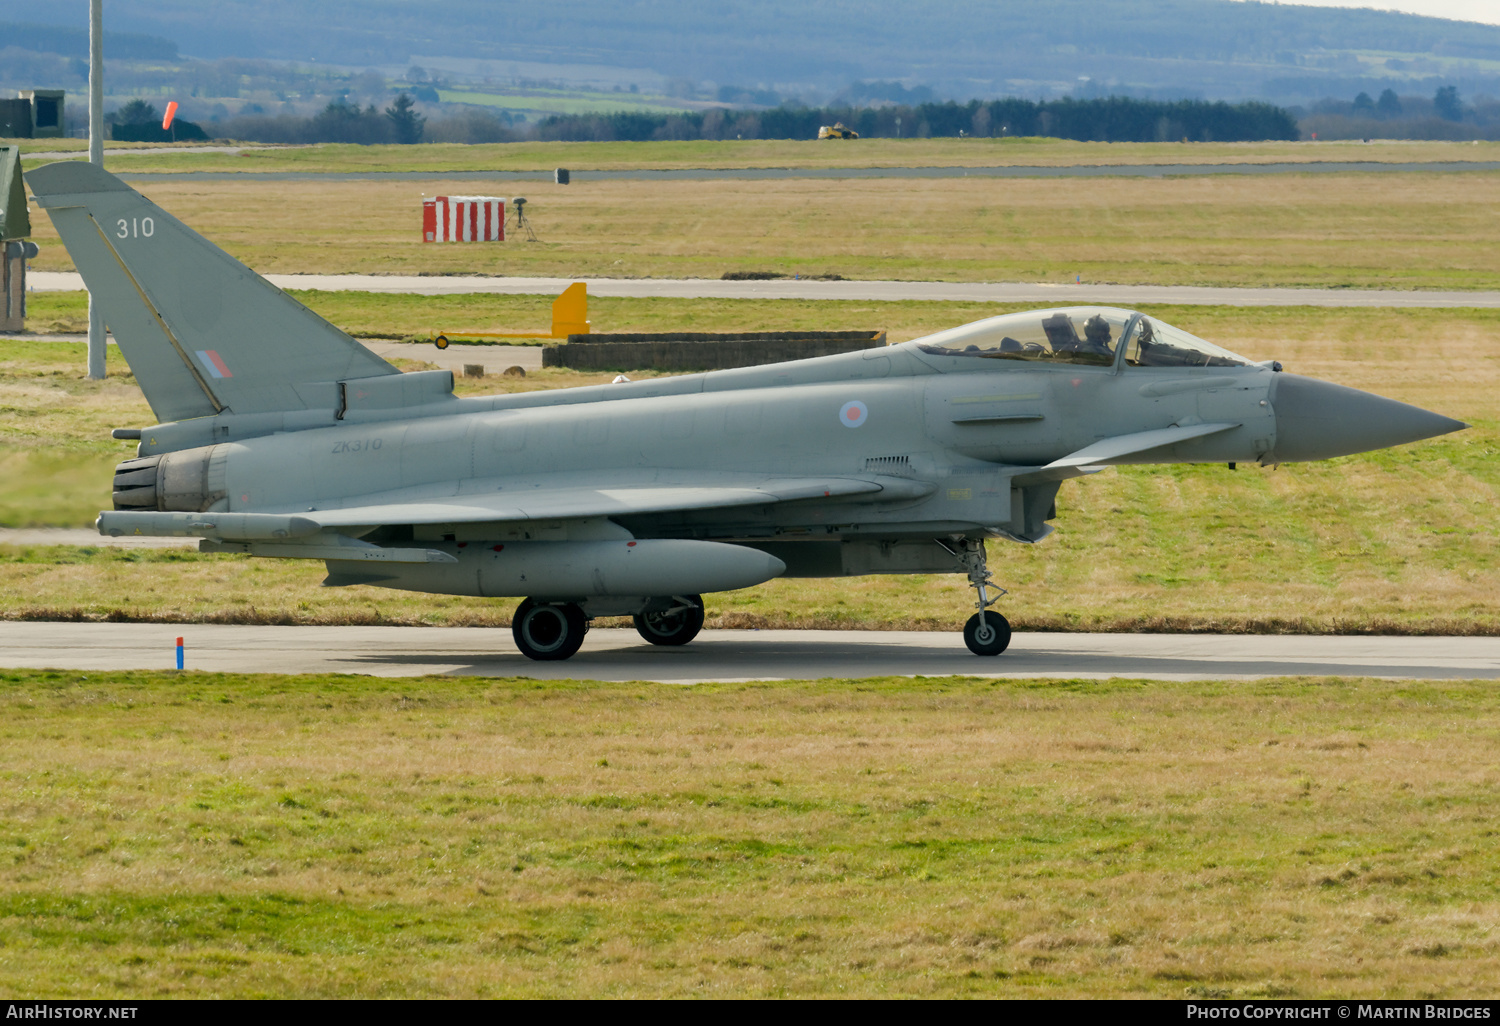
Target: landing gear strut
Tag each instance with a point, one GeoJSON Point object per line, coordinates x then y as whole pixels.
{"type": "Point", "coordinates": [677, 624]}
{"type": "Point", "coordinates": [987, 633]}
{"type": "Point", "coordinates": [548, 632]}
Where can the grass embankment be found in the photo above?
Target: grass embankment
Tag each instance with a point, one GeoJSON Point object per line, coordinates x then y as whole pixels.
{"type": "Point", "coordinates": [542, 102]}
{"type": "Point", "coordinates": [1400, 540]}
{"type": "Point", "coordinates": [197, 835]}
{"type": "Point", "coordinates": [809, 153]}
{"type": "Point", "coordinates": [1388, 230]}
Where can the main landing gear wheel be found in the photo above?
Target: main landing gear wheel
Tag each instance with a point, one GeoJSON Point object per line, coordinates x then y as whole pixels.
{"type": "Point", "coordinates": [675, 626]}
{"type": "Point", "coordinates": [548, 632]}
{"type": "Point", "coordinates": [987, 633]}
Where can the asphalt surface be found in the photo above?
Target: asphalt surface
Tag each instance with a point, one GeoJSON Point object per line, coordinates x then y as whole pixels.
{"type": "Point", "coordinates": [771, 173]}
{"type": "Point", "coordinates": [865, 291]}
{"type": "Point", "coordinates": [616, 654]}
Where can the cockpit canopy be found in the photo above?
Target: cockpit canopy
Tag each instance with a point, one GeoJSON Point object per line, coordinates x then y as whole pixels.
{"type": "Point", "coordinates": [1093, 335]}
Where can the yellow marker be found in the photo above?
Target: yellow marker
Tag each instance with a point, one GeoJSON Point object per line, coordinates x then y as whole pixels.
{"type": "Point", "coordinates": [570, 316]}
{"type": "Point", "coordinates": [570, 311]}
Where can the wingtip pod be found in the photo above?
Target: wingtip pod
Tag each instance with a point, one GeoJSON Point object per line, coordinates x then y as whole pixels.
{"type": "Point", "coordinates": [226, 526]}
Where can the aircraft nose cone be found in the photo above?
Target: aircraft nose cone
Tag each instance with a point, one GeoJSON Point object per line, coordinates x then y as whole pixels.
{"type": "Point", "coordinates": [1316, 420]}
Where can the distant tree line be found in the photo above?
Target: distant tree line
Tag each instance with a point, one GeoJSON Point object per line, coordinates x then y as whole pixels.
{"type": "Point", "coordinates": [339, 122]}
{"type": "Point", "coordinates": [1115, 119]}
{"type": "Point", "coordinates": [1444, 116]}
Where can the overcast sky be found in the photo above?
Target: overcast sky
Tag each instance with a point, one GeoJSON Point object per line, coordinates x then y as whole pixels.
{"type": "Point", "coordinates": [1461, 10]}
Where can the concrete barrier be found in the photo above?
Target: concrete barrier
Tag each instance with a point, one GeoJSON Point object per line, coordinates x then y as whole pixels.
{"type": "Point", "coordinates": [698, 351]}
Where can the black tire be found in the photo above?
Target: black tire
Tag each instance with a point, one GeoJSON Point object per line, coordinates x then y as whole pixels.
{"type": "Point", "coordinates": [441, 341]}
{"type": "Point", "coordinates": [676, 626]}
{"type": "Point", "coordinates": [987, 637]}
{"type": "Point", "coordinates": [548, 632]}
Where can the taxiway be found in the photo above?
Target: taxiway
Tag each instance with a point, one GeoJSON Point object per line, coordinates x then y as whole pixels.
{"type": "Point", "coordinates": [735, 655]}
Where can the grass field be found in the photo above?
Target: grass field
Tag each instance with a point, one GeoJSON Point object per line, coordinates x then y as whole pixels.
{"type": "Point", "coordinates": [1384, 230]}
{"type": "Point", "coordinates": [196, 835]}
{"type": "Point", "coordinates": [1401, 540]}
{"type": "Point", "coordinates": [563, 101]}
{"type": "Point", "coordinates": [810, 153]}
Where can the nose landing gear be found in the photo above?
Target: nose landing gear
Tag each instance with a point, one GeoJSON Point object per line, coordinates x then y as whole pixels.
{"type": "Point", "coordinates": [987, 633]}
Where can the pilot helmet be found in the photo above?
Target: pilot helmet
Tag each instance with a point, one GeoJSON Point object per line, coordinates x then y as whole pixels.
{"type": "Point", "coordinates": [1096, 329]}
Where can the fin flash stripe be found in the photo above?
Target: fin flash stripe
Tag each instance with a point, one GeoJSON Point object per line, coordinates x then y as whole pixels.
{"type": "Point", "coordinates": [213, 363]}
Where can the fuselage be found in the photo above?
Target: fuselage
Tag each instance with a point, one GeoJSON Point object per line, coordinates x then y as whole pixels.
{"type": "Point", "coordinates": [962, 426]}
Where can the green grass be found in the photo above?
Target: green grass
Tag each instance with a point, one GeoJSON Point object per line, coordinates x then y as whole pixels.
{"type": "Point", "coordinates": [331, 836]}
{"type": "Point", "coordinates": [550, 101]}
{"type": "Point", "coordinates": [56, 456]}
{"type": "Point", "coordinates": [406, 315]}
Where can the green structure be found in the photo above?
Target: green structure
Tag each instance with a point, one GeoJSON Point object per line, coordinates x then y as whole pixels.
{"type": "Point", "coordinates": [38, 114]}
{"type": "Point", "coordinates": [15, 225]}
{"type": "Point", "coordinates": [15, 221]}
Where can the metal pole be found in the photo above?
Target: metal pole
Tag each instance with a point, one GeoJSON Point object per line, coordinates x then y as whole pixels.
{"type": "Point", "coordinates": [96, 156]}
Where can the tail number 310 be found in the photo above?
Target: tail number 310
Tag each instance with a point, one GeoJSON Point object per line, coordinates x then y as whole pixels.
{"type": "Point", "coordinates": [135, 228]}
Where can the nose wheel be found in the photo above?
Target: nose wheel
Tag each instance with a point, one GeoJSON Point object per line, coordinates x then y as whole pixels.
{"type": "Point", "coordinates": [987, 633]}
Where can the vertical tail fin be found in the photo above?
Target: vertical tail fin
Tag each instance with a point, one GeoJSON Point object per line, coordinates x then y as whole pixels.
{"type": "Point", "coordinates": [203, 333]}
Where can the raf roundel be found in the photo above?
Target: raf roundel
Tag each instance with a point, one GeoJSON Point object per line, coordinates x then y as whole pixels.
{"type": "Point", "coordinates": [854, 414]}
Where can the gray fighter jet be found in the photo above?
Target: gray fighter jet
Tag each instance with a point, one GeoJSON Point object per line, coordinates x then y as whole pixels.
{"type": "Point", "coordinates": [281, 436]}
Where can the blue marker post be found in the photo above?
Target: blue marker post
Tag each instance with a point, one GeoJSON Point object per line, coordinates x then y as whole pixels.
{"type": "Point", "coordinates": [179, 653]}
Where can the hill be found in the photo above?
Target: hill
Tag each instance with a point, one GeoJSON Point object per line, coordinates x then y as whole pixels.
{"type": "Point", "coordinates": [1160, 48]}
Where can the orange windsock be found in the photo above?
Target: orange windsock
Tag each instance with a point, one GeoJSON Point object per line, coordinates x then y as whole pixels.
{"type": "Point", "coordinates": [166, 122]}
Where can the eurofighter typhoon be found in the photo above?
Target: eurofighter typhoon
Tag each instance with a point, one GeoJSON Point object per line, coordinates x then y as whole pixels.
{"type": "Point", "coordinates": [282, 436]}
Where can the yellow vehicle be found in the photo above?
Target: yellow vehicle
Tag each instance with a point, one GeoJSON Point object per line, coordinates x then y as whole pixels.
{"type": "Point", "coordinates": [837, 131]}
